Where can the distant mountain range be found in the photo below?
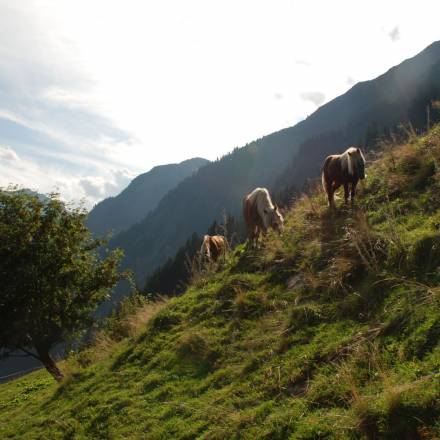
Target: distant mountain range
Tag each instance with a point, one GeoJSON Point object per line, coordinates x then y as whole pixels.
{"type": "Point", "coordinates": [141, 196]}
{"type": "Point", "coordinates": [282, 158]}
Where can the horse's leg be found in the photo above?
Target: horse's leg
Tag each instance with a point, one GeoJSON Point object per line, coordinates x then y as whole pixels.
{"type": "Point", "coordinates": [254, 236]}
{"type": "Point", "coordinates": [264, 233]}
{"type": "Point", "coordinates": [261, 232]}
{"type": "Point", "coordinates": [329, 191]}
{"type": "Point", "coordinates": [353, 192]}
{"type": "Point", "coordinates": [346, 193]}
{"type": "Point", "coordinates": [250, 233]}
{"type": "Point", "coordinates": [334, 187]}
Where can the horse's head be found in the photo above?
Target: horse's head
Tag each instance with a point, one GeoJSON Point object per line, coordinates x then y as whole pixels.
{"type": "Point", "coordinates": [277, 220]}
{"type": "Point", "coordinates": [359, 161]}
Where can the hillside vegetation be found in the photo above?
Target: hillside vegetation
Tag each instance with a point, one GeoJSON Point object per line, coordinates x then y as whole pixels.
{"type": "Point", "coordinates": [331, 330]}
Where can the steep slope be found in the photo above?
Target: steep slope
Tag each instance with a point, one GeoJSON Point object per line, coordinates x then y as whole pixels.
{"type": "Point", "coordinates": [331, 330]}
{"type": "Point", "coordinates": [388, 100]}
{"type": "Point", "coordinates": [140, 197]}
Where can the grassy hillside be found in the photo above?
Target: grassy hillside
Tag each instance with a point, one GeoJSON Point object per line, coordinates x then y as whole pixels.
{"type": "Point", "coordinates": [329, 331]}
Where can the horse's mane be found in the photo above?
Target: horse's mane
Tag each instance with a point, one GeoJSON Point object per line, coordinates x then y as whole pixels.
{"type": "Point", "coordinates": [262, 201]}
{"type": "Point", "coordinates": [349, 162]}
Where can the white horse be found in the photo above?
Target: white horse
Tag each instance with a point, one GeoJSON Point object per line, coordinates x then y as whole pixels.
{"type": "Point", "coordinates": [260, 214]}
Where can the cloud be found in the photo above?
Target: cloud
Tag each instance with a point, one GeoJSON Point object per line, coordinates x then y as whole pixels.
{"type": "Point", "coordinates": [93, 186]}
{"type": "Point", "coordinates": [316, 98]}
{"type": "Point", "coordinates": [303, 63]}
{"type": "Point", "coordinates": [394, 34]}
{"type": "Point", "coordinates": [98, 187]}
{"type": "Point", "coordinates": [26, 172]}
{"type": "Point", "coordinates": [122, 178]}
{"type": "Point", "coordinates": [7, 153]}
{"type": "Point", "coordinates": [52, 125]}
{"type": "Point", "coordinates": [350, 81]}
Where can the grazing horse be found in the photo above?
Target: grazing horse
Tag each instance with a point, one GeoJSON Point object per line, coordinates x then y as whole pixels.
{"type": "Point", "coordinates": [213, 247]}
{"type": "Point", "coordinates": [260, 214]}
{"type": "Point", "coordinates": [343, 169]}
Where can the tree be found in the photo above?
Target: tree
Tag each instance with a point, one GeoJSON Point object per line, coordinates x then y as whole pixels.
{"type": "Point", "coordinates": [51, 276]}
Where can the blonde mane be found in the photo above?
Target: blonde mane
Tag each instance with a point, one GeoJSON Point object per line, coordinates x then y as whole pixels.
{"type": "Point", "coordinates": [350, 160]}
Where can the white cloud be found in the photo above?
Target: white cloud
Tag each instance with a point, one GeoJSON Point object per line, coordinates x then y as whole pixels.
{"type": "Point", "coordinates": [394, 34]}
{"type": "Point", "coordinates": [93, 186]}
{"type": "Point", "coordinates": [7, 153]}
{"type": "Point", "coordinates": [88, 189]}
{"type": "Point", "coordinates": [97, 187]}
{"type": "Point", "coordinates": [316, 98]}
{"type": "Point", "coordinates": [303, 63]}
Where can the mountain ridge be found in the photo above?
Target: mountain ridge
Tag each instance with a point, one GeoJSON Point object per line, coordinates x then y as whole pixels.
{"type": "Point", "coordinates": [140, 196]}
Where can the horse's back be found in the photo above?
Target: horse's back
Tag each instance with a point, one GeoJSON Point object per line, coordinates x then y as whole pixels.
{"type": "Point", "coordinates": [217, 245]}
{"type": "Point", "coordinates": [218, 240]}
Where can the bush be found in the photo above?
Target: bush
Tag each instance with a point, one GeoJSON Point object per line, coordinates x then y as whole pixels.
{"type": "Point", "coordinates": [425, 253]}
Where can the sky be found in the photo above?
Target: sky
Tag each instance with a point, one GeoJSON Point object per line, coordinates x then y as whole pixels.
{"type": "Point", "coordinates": [95, 92]}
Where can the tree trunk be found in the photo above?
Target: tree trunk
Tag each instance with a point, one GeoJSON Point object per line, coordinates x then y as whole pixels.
{"type": "Point", "coordinates": [48, 362]}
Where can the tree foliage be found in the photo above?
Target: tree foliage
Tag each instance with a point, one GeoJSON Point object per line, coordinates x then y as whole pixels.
{"type": "Point", "coordinates": [51, 276]}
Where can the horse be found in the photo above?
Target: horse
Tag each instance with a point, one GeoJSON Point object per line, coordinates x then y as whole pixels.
{"type": "Point", "coordinates": [260, 214]}
{"type": "Point", "coordinates": [213, 246]}
{"type": "Point", "coordinates": [343, 169]}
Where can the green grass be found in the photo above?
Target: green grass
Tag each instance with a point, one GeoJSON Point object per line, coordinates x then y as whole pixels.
{"type": "Point", "coordinates": [330, 331]}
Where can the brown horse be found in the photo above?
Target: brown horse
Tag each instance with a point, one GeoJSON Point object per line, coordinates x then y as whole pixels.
{"type": "Point", "coordinates": [213, 247]}
{"type": "Point", "coordinates": [343, 169]}
{"type": "Point", "coordinates": [260, 214]}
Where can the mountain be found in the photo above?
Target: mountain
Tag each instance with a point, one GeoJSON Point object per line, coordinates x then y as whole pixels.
{"type": "Point", "coordinates": [140, 197]}
{"type": "Point", "coordinates": [329, 331]}
{"type": "Point", "coordinates": [399, 95]}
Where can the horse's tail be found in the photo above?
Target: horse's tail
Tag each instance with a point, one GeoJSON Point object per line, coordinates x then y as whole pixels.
{"type": "Point", "coordinates": [205, 253]}
{"type": "Point", "coordinates": [246, 209]}
{"type": "Point", "coordinates": [323, 172]}
{"type": "Point", "coordinates": [249, 216]}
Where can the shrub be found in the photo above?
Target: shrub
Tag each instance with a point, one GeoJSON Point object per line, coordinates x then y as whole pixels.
{"type": "Point", "coordinates": [425, 253]}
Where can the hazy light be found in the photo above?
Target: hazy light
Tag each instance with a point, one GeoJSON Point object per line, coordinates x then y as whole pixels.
{"type": "Point", "coordinates": [173, 79]}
